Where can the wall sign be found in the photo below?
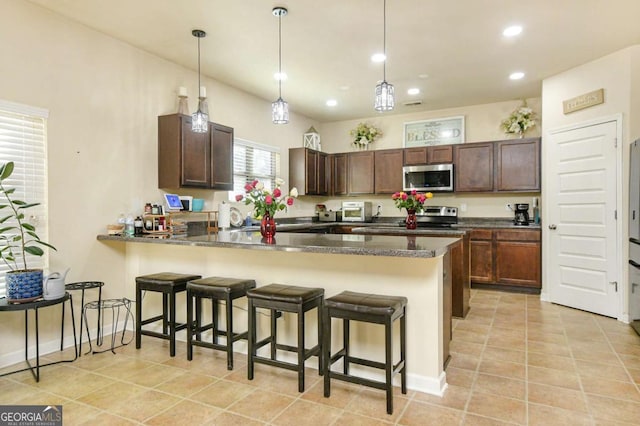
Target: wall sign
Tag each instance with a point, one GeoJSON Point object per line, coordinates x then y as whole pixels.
{"type": "Point", "coordinates": [438, 131]}
{"type": "Point", "coordinates": [583, 101]}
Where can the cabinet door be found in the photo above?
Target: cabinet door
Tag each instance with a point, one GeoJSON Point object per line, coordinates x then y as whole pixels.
{"type": "Point", "coordinates": [473, 167]}
{"type": "Point", "coordinates": [518, 263]}
{"type": "Point", "coordinates": [323, 182]}
{"type": "Point", "coordinates": [481, 247]}
{"type": "Point", "coordinates": [518, 257]}
{"type": "Point", "coordinates": [388, 171]}
{"type": "Point", "coordinates": [195, 167]}
{"type": "Point", "coordinates": [518, 165]}
{"type": "Point", "coordinates": [339, 174]}
{"type": "Point", "coordinates": [221, 157]}
{"type": "Point", "coordinates": [311, 171]}
{"type": "Point", "coordinates": [360, 167]}
{"type": "Point", "coordinates": [415, 156]}
{"type": "Point", "coordinates": [440, 154]}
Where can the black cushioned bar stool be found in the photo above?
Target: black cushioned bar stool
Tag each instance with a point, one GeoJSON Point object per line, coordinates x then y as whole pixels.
{"type": "Point", "coordinates": [219, 290]}
{"type": "Point", "coordinates": [169, 284]}
{"type": "Point", "coordinates": [280, 298]}
{"type": "Point", "coordinates": [369, 308]}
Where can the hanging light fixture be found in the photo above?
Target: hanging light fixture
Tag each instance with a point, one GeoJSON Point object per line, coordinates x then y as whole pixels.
{"type": "Point", "coordinates": [279, 108]}
{"type": "Point", "coordinates": [384, 91]}
{"type": "Point", "coordinates": [200, 118]}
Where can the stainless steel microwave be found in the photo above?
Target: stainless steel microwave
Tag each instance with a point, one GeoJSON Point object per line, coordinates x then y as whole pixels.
{"type": "Point", "coordinates": [436, 177]}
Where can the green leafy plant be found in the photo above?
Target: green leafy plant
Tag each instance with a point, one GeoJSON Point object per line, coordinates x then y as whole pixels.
{"type": "Point", "coordinates": [17, 237]}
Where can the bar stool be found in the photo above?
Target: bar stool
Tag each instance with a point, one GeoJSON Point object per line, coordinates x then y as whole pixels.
{"type": "Point", "coordinates": [278, 298]}
{"type": "Point", "coordinates": [169, 284]}
{"type": "Point", "coordinates": [219, 290]}
{"type": "Point", "coordinates": [84, 285]}
{"type": "Point", "coordinates": [370, 308]}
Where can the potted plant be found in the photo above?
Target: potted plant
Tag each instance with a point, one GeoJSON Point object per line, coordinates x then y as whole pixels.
{"type": "Point", "coordinates": [18, 239]}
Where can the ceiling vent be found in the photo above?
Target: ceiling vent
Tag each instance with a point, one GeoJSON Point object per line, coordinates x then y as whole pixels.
{"type": "Point", "coordinates": [413, 103]}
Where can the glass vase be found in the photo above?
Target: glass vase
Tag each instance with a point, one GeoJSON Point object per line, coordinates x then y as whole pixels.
{"type": "Point", "coordinates": [412, 221]}
{"type": "Point", "coordinates": [268, 227]}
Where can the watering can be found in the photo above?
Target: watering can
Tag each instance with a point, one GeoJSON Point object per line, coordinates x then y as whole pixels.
{"type": "Point", "coordinates": [53, 285]}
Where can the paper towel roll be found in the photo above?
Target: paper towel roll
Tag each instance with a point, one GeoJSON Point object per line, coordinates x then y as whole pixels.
{"type": "Point", "coordinates": [224, 215]}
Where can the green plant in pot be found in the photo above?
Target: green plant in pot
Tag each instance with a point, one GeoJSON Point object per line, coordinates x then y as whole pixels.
{"type": "Point", "coordinates": [17, 240]}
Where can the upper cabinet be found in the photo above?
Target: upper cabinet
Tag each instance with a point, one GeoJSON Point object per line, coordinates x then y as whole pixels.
{"type": "Point", "coordinates": [194, 160]}
{"type": "Point", "coordinates": [388, 171]}
{"type": "Point", "coordinates": [473, 167]}
{"type": "Point", "coordinates": [518, 165]}
{"type": "Point", "coordinates": [439, 154]}
{"type": "Point", "coordinates": [307, 171]}
{"type": "Point", "coordinates": [339, 174]}
{"type": "Point", "coordinates": [503, 166]}
{"type": "Point", "coordinates": [360, 172]}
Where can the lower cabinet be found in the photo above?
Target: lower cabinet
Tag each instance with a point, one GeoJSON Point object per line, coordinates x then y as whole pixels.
{"type": "Point", "coordinates": [506, 257]}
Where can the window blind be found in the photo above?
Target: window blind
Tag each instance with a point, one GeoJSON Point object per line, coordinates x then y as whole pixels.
{"type": "Point", "coordinates": [254, 161]}
{"type": "Point", "coordinates": [23, 132]}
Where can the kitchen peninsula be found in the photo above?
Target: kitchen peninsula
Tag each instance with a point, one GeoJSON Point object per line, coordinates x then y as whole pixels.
{"type": "Point", "coordinates": [415, 267]}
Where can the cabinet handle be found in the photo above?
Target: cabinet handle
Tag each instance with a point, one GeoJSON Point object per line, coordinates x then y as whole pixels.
{"type": "Point", "coordinates": [633, 287]}
{"type": "Point", "coordinates": [634, 264]}
{"type": "Point", "coordinates": [552, 227]}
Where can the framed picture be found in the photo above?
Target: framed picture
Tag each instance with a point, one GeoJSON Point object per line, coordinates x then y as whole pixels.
{"type": "Point", "coordinates": [438, 131]}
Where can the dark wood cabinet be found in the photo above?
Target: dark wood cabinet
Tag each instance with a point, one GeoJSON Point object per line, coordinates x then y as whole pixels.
{"type": "Point", "coordinates": [360, 172]}
{"type": "Point", "coordinates": [473, 167]}
{"type": "Point", "coordinates": [506, 257]}
{"type": "Point", "coordinates": [441, 154]}
{"type": "Point", "coordinates": [388, 171]}
{"type": "Point", "coordinates": [518, 165]}
{"type": "Point", "coordinates": [339, 174]}
{"type": "Point", "coordinates": [307, 171]}
{"type": "Point", "coordinates": [194, 160]}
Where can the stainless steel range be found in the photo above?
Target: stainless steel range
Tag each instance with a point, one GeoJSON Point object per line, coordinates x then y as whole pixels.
{"type": "Point", "coordinates": [437, 217]}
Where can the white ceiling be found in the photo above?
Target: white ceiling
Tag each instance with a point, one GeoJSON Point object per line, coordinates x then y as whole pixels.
{"type": "Point", "coordinates": [327, 45]}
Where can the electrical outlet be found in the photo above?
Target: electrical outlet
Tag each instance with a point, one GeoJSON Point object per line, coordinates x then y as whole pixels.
{"type": "Point", "coordinates": [507, 207]}
{"type": "Point", "coordinates": [463, 207]}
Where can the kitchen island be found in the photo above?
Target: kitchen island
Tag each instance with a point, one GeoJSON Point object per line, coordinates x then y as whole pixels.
{"type": "Point", "coordinates": [414, 267]}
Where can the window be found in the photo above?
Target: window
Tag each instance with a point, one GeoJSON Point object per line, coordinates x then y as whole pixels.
{"type": "Point", "coordinates": [23, 132]}
{"type": "Point", "coordinates": [254, 161]}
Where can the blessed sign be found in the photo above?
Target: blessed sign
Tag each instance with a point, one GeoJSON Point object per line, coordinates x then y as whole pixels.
{"type": "Point", "coordinates": [583, 101]}
{"type": "Point", "coordinates": [439, 131]}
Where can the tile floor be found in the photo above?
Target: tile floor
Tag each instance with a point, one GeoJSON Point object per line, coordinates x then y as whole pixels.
{"type": "Point", "coordinates": [515, 360]}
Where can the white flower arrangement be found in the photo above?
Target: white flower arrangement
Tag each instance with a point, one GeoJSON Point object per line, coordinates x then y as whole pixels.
{"type": "Point", "coordinates": [364, 134]}
{"type": "Point", "coordinates": [519, 121]}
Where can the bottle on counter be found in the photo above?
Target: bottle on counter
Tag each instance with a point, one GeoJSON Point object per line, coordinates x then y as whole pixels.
{"type": "Point", "coordinates": [155, 209]}
{"type": "Point", "coordinates": [147, 208]}
{"type": "Point", "coordinates": [247, 220]}
{"type": "Point", "coordinates": [129, 228]}
{"type": "Point", "coordinates": [138, 226]}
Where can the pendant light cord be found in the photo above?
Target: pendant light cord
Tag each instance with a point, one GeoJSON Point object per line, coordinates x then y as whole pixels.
{"type": "Point", "coordinates": [199, 71]}
{"type": "Point", "coordinates": [384, 39]}
{"type": "Point", "coordinates": [280, 56]}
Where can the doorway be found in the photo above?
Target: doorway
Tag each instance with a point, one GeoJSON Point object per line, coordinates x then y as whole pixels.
{"type": "Point", "coordinates": [583, 212]}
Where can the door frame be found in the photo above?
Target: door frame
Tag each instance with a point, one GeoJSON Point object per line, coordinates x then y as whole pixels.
{"type": "Point", "coordinates": [621, 263]}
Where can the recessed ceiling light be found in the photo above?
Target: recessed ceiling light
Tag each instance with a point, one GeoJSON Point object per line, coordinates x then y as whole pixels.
{"type": "Point", "coordinates": [378, 57]}
{"type": "Point", "coordinates": [345, 88]}
{"type": "Point", "coordinates": [413, 91]}
{"type": "Point", "coordinates": [512, 31]}
{"type": "Point", "coordinates": [516, 75]}
{"type": "Point", "coordinates": [332, 102]}
{"type": "Point", "coordinates": [280, 76]}
{"type": "Point", "coordinates": [423, 76]}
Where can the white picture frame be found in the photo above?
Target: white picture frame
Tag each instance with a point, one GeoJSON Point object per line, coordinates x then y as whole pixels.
{"type": "Point", "coordinates": [436, 131]}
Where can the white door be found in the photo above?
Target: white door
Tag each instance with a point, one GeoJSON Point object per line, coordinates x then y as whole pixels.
{"type": "Point", "coordinates": [582, 235]}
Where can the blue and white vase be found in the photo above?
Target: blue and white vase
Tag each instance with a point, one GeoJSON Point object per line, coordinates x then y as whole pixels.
{"type": "Point", "coordinates": [24, 285]}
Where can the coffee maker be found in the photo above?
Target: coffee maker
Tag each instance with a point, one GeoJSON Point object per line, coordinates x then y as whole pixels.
{"type": "Point", "coordinates": [521, 215]}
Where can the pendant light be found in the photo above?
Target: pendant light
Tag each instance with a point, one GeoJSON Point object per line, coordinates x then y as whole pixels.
{"type": "Point", "coordinates": [279, 108]}
{"type": "Point", "coordinates": [384, 91]}
{"type": "Point", "coordinates": [200, 118]}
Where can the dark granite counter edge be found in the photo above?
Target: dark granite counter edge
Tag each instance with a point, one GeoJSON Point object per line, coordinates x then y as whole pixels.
{"type": "Point", "coordinates": [199, 241]}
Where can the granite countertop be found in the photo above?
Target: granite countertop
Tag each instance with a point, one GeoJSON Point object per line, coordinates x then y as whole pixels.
{"type": "Point", "coordinates": [365, 245]}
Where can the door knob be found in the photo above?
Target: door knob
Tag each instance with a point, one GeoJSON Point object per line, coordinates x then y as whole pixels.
{"type": "Point", "coordinates": [552, 227]}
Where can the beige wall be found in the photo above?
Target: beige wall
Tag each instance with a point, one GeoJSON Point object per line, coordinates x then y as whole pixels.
{"type": "Point", "coordinates": [104, 97]}
{"type": "Point", "coordinates": [619, 75]}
